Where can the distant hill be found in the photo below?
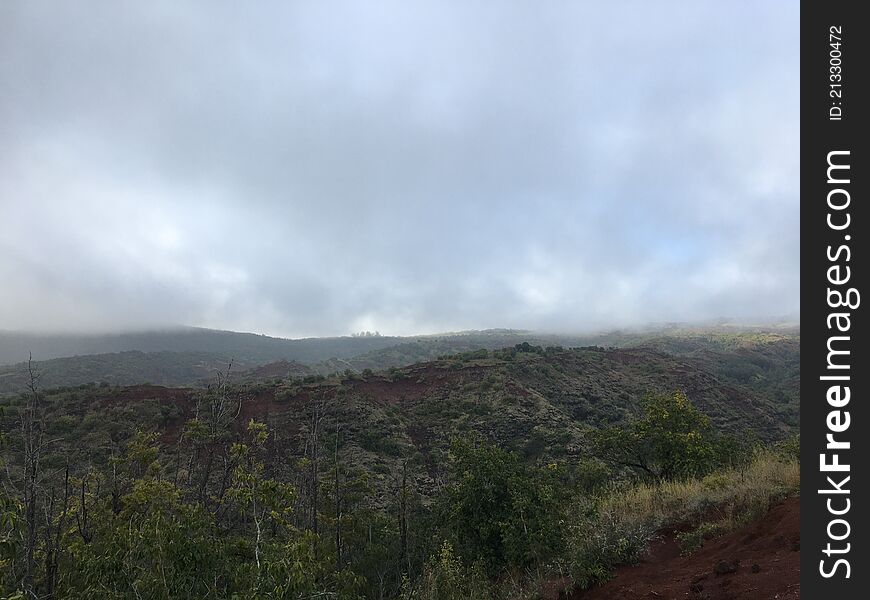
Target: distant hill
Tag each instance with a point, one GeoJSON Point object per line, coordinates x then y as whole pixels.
{"type": "Point", "coordinates": [120, 368]}
{"type": "Point", "coordinates": [191, 357]}
{"type": "Point", "coordinates": [245, 347]}
{"type": "Point", "coordinates": [15, 346]}
{"type": "Point", "coordinates": [179, 369]}
{"type": "Point", "coordinates": [274, 371]}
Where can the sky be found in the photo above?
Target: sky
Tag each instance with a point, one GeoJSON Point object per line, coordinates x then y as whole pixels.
{"type": "Point", "coordinates": [321, 168]}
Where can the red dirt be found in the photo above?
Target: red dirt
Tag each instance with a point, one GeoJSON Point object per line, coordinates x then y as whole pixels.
{"type": "Point", "coordinates": [772, 543]}
{"type": "Point", "coordinates": [419, 382]}
{"type": "Point", "coordinates": [385, 392]}
{"type": "Point", "coordinates": [260, 406]}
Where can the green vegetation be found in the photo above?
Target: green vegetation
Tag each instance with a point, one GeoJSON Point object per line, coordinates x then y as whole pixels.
{"type": "Point", "coordinates": [767, 362]}
{"type": "Point", "coordinates": [480, 475]}
{"type": "Point", "coordinates": [672, 439]}
{"type": "Point", "coordinates": [497, 512]}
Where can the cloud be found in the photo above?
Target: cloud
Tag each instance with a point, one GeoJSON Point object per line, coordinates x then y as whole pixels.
{"type": "Point", "coordinates": [316, 168]}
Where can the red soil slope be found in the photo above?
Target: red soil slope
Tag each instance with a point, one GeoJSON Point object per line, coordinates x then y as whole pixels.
{"type": "Point", "coordinates": [766, 554]}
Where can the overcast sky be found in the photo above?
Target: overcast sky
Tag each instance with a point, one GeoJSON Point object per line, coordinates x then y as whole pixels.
{"type": "Point", "coordinates": [318, 168]}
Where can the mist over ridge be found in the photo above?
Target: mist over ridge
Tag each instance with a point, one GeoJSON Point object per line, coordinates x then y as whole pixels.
{"type": "Point", "coordinates": [445, 167]}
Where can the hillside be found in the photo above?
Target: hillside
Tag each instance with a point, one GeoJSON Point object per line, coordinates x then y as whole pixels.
{"type": "Point", "coordinates": [121, 368]}
{"type": "Point", "coordinates": [244, 347]}
{"type": "Point", "coordinates": [360, 467]}
{"type": "Point", "coordinates": [736, 355]}
{"type": "Point", "coordinates": [193, 369]}
{"type": "Point", "coordinates": [539, 403]}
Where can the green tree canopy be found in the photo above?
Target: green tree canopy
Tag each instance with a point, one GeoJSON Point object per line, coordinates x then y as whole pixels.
{"type": "Point", "coordinates": [672, 439]}
{"type": "Point", "coordinates": [497, 510]}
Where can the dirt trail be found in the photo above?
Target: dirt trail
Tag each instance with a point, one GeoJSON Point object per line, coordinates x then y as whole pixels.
{"type": "Point", "coordinates": [766, 554]}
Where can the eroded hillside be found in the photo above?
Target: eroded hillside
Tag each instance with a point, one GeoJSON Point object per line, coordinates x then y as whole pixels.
{"type": "Point", "coordinates": [540, 402]}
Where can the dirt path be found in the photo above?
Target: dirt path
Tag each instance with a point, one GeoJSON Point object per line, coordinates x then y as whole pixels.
{"type": "Point", "coordinates": [760, 561]}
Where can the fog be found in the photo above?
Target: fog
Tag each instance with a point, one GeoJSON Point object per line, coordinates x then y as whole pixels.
{"type": "Point", "coordinates": [318, 168]}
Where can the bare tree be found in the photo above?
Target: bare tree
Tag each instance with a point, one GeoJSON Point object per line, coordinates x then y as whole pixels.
{"type": "Point", "coordinates": [403, 519]}
{"type": "Point", "coordinates": [44, 515]}
{"type": "Point", "coordinates": [33, 446]}
{"type": "Point", "coordinates": [318, 405]}
{"type": "Point", "coordinates": [210, 432]}
{"type": "Point", "coordinates": [338, 499]}
{"type": "Point", "coordinates": [82, 519]}
{"type": "Point", "coordinates": [54, 536]}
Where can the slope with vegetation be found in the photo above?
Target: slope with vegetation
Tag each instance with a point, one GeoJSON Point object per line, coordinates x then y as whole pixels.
{"type": "Point", "coordinates": [178, 357]}
{"type": "Point", "coordinates": [246, 347]}
{"type": "Point", "coordinates": [487, 474]}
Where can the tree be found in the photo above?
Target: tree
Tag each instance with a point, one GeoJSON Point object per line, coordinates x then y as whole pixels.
{"type": "Point", "coordinates": [317, 414]}
{"type": "Point", "coordinates": [672, 439]}
{"type": "Point", "coordinates": [499, 511]}
{"type": "Point", "coordinates": [445, 577]}
{"type": "Point", "coordinates": [209, 434]}
{"type": "Point", "coordinates": [344, 490]}
{"type": "Point", "coordinates": [262, 499]}
{"type": "Point", "coordinates": [160, 545]}
{"type": "Point", "coordinates": [147, 543]}
{"type": "Point", "coordinates": [33, 511]}
{"type": "Point", "coordinates": [33, 439]}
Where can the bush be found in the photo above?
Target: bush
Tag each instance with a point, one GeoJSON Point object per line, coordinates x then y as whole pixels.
{"type": "Point", "coordinates": [602, 539]}
{"type": "Point", "coordinates": [692, 540]}
{"type": "Point", "coordinates": [672, 440]}
{"type": "Point", "coordinates": [790, 447]}
{"type": "Point", "coordinates": [446, 578]}
{"type": "Point", "coordinates": [498, 511]}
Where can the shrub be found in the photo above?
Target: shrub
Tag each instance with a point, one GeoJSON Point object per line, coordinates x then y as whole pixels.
{"type": "Point", "coordinates": [446, 578]}
{"type": "Point", "coordinates": [790, 447]}
{"type": "Point", "coordinates": [497, 510]}
{"type": "Point", "coordinates": [601, 539]}
{"type": "Point", "coordinates": [692, 540]}
{"type": "Point", "coordinates": [672, 439]}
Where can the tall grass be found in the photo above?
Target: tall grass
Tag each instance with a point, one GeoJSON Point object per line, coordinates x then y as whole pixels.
{"type": "Point", "coordinates": [616, 526]}
{"type": "Point", "coordinates": [768, 477]}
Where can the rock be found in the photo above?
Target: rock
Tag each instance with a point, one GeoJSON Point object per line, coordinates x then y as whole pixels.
{"type": "Point", "coordinates": [724, 567]}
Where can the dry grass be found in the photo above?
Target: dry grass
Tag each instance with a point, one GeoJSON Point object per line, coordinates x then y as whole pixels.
{"type": "Point", "coordinates": [616, 527]}
{"type": "Point", "coordinates": [768, 478]}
